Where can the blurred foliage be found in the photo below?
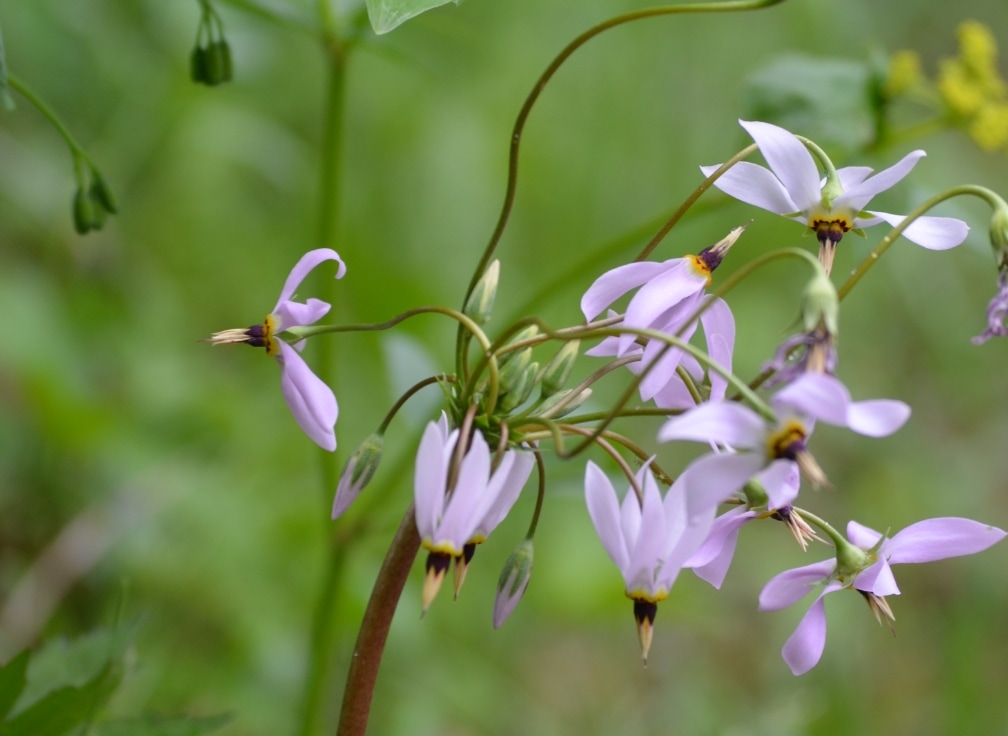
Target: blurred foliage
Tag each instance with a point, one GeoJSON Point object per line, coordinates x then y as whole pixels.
{"type": "Point", "coordinates": [130, 451]}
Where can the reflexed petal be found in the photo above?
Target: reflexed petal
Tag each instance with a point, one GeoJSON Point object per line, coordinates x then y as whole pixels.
{"type": "Point", "coordinates": [938, 539]}
{"type": "Point", "coordinates": [613, 284]}
{"type": "Point", "coordinates": [724, 422]}
{"type": "Point", "coordinates": [719, 331]}
{"type": "Point", "coordinates": [789, 160]}
{"type": "Point", "coordinates": [712, 560]}
{"type": "Point", "coordinates": [755, 185]}
{"type": "Point", "coordinates": [862, 536]}
{"type": "Point", "coordinates": [850, 176]}
{"type": "Point", "coordinates": [468, 500]}
{"type": "Point", "coordinates": [933, 233]}
{"type": "Point", "coordinates": [311, 401]}
{"type": "Point", "coordinates": [430, 479]}
{"type": "Point", "coordinates": [877, 579]}
{"type": "Point", "coordinates": [713, 478]}
{"type": "Point", "coordinates": [662, 293]}
{"type": "Point", "coordinates": [791, 586]}
{"type": "Point", "coordinates": [505, 487]}
{"type": "Point", "coordinates": [804, 647]}
{"type": "Point", "coordinates": [603, 507]}
{"type": "Point", "coordinates": [856, 197]}
{"type": "Point", "coordinates": [295, 314]}
{"type": "Point", "coordinates": [781, 480]}
{"type": "Point", "coordinates": [816, 395]}
{"type": "Point", "coordinates": [877, 418]}
{"type": "Point", "coordinates": [308, 261]}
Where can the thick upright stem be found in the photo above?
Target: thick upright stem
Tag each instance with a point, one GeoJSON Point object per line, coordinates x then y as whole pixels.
{"type": "Point", "coordinates": [374, 629]}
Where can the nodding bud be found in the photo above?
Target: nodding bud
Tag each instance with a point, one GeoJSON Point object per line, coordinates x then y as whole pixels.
{"type": "Point", "coordinates": [563, 403]}
{"type": "Point", "coordinates": [558, 370]}
{"type": "Point", "coordinates": [83, 211]}
{"type": "Point", "coordinates": [820, 304]}
{"type": "Point", "coordinates": [512, 365]}
{"type": "Point", "coordinates": [999, 234]}
{"type": "Point", "coordinates": [513, 581]}
{"type": "Point", "coordinates": [481, 301]}
{"type": "Point", "coordinates": [358, 472]}
{"type": "Point", "coordinates": [101, 193]}
{"type": "Point", "coordinates": [515, 395]}
{"type": "Point", "coordinates": [198, 65]}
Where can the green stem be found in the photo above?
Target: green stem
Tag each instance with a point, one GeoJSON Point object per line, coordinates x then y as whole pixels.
{"type": "Point", "coordinates": [75, 148]}
{"type": "Point", "coordinates": [726, 6]}
{"type": "Point", "coordinates": [839, 540]}
{"type": "Point", "coordinates": [872, 258]}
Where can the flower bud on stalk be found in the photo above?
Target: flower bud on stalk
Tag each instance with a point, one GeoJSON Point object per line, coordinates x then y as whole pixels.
{"type": "Point", "coordinates": [481, 301]}
{"type": "Point", "coordinates": [513, 581]}
{"type": "Point", "coordinates": [558, 370]}
{"type": "Point", "coordinates": [358, 472]}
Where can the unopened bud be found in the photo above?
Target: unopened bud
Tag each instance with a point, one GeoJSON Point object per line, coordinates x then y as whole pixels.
{"type": "Point", "coordinates": [999, 233]}
{"type": "Point", "coordinates": [357, 473]}
{"type": "Point", "coordinates": [215, 63]}
{"type": "Point", "coordinates": [481, 301]}
{"type": "Point", "coordinates": [558, 370]}
{"type": "Point", "coordinates": [517, 394]}
{"type": "Point", "coordinates": [563, 403]}
{"type": "Point", "coordinates": [820, 304]}
{"type": "Point", "coordinates": [83, 211]}
{"type": "Point", "coordinates": [198, 65]}
{"type": "Point", "coordinates": [102, 193]}
{"type": "Point", "coordinates": [513, 581]}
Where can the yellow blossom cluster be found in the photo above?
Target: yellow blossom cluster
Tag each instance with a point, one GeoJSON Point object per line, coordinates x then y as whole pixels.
{"type": "Point", "coordinates": [969, 86]}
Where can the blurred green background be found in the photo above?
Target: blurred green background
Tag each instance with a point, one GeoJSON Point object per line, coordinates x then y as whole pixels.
{"type": "Point", "coordinates": [141, 468]}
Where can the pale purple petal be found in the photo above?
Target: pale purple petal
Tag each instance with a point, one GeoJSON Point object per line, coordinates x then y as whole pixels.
{"type": "Point", "coordinates": [781, 480]}
{"type": "Point", "coordinates": [309, 261]}
{"type": "Point", "coordinates": [791, 586]}
{"type": "Point", "coordinates": [613, 284]}
{"type": "Point", "coordinates": [724, 422]}
{"type": "Point", "coordinates": [430, 479]}
{"type": "Point", "coordinates": [997, 312]}
{"type": "Point", "coordinates": [804, 648]}
{"type": "Point", "coordinates": [856, 197]}
{"type": "Point", "coordinates": [851, 176]}
{"type": "Point", "coordinates": [651, 538]}
{"type": "Point", "coordinates": [295, 314]}
{"type": "Point", "coordinates": [719, 331]}
{"type": "Point", "coordinates": [346, 490]}
{"type": "Point", "coordinates": [662, 292]}
{"type": "Point", "coordinates": [938, 539]}
{"type": "Point", "coordinates": [712, 560]}
{"type": "Point", "coordinates": [603, 507]}
{"type": "Point", "coordinates": [505, 487]}
{"type": "Point", "coordinates": [311, 401]}
{"type": "Point", "coordinates": [789, 160]}
{"type": "Point", "coordinates": [877, 579]}
{"type": "Point", "coordinates": [468, 500]}
{"type": "Point", "coordinates": [862, 536]}
{"type": "Point", "coordinates": [816, 395]}
{"type": "Point", "coordinates": [713, 478]}
{"type": "Point", "coordinates": [933, 233]}
{"type": "Point", "coordinates": [878, 417]}
{"type": "Point", "coordinates": [755, 185]}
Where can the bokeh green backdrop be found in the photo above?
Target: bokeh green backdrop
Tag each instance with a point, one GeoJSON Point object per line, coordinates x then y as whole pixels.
{"type": "Point", "coordinates": [138, 464]}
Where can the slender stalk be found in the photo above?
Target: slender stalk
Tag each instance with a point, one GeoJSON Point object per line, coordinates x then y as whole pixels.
{"type": "Point", "coordinates": [375, 627]}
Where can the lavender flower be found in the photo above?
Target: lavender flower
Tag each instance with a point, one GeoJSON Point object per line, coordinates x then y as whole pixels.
{"type": "Point", "coordinates": [450, 519]}
{"type": "Point", "coordinates": [792, 187]}
{"type": "Point", "coordinates": [310, 400]}
{"type": "Point", "coordinates": [997, 312]}
{"type": "Point", "coordinates": [864, 565]}
{"type": "Point", "coordinates": [769, 451]}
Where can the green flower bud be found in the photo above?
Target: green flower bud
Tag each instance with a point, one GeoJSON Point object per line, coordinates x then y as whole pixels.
{"type": "Point", "coordinates": [524, 334]}
{"type": "Point", "coordinates": [358, 472]}
{"type": "Point", "coordinates": [518, 394]}
{"type": "Point", "coordinates": [99, 215]}
{"type": "Point", "coordinates": [481, 301]}
{"type": "Point", "coordinates": [513, 581]}
{"type": "Point", "coordinates": [227, 68]}
{"type": "Point", "coordinates": [820, 304]}
{"type": "Point", "coordinates": [102, 193]}
{"type": "Point", "coordinates": [562, 403]}
{"type": "Point", "coordinates": [559, 368]}
{"type": "Point", "coordinates": [215, 64]}
{"type": "Point", "coordinates": [83, 211]}
{"type": "Point", "coordinates": [999, 234]}
{"type": "Point", "coordinates": [198, 65]}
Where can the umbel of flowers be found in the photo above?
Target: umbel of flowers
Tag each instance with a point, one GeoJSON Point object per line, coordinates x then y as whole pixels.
{"type": "Point", "coordinates": [666, 337]}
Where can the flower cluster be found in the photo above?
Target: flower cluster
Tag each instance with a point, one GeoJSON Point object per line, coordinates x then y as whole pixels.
{"type": "Point", "coordinates": [474, 462]}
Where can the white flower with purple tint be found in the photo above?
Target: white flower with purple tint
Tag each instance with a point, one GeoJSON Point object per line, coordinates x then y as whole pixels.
{"type": "Point", "coordinates": [310, 400]}
{"type": "Point", "coordinates": [997, 312]}
{"type": "Point", "coordinates": [449, 519]}
{"type": "Point", "coordinates": [864, 566]}
{"type": "Point", "coordinates": [754, 447]}
{"type": "Point", "coordinates": [793, 187]}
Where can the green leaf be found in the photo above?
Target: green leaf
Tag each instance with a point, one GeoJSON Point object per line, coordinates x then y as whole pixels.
{"type": "Point", "coordinates": [388, 14]}
{"type": "Point", "coordinates": [65, 707]}
{"type": "Point", "coordinates": [163, 726]}
{"type": "Point", "coordinates": [828, 100]}
{"type": "Point", "coordinates": [6, 101]}
{"type": "Point", "coordinates": [12, 681]}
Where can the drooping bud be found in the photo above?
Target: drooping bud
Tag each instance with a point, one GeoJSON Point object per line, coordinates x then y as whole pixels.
{"type": "Point", "coordinates": [198, 65]}
{"type": "Point", "coordinates": [216, 57]}
{"type": "Point", "coordinates": [999, 234]}
{"type": "Point", "coordinates": [513, 581]}
{"type": "Point", "coordinates": [512, 365]}
{"type": "Point", "coordinates": [558, 370]}
{"type": "Point", "coordinates": [358, 472]}
{"type": "Point", "coordinates": [83, 211]}
{"type": "Point", "coordinates": [102, 193]}
{"type": "Point", "coordinates": [481, 301]}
